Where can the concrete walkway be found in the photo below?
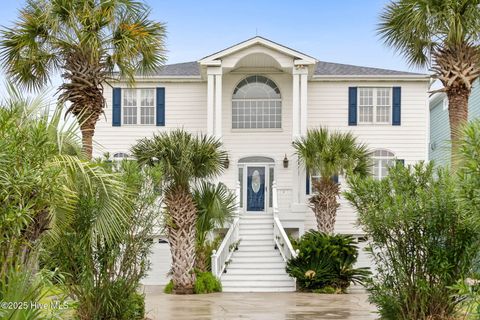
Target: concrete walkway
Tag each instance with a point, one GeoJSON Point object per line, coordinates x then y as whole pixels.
{"type": "Point", "coordinates": [275, 306]}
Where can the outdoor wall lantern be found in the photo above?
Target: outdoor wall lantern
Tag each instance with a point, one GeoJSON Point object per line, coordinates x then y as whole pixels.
{"type": "Point", "coordinates": [285, 161]}
{"type": "Point", "coordinates": [226, 162]}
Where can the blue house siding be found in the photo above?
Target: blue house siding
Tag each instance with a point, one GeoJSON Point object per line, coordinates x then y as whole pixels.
{"type": "Point", "coordinates": [439, 150]}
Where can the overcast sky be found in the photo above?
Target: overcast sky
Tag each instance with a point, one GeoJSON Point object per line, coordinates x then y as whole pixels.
{"type": "Point", "coordinates": [334, 31]}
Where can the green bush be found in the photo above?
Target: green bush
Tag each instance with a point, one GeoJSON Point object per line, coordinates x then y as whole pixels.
{"type": "Point", "coordinates": [422, 240]}
{"type": "Point", "coordinates": [205, 283]}
{"type": "Point", "coordinates": [168, 288]}
{"type": "Point", "coordinates": [325, 261]}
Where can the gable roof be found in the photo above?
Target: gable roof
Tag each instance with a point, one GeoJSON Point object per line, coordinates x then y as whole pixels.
{"type": "Point", "coordinates": [338, 69]}
{"type": "Point", "coordinates": [322, 68]}
{"type": "Point", "coordinates": [262, 41]}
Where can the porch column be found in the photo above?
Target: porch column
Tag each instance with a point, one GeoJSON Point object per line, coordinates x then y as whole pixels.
{"type": "Point", "coordinates": [214, 101]}
{"type": "Point", "coordinates": [218, 105]}
{"type": "Point", "coordinates": [210, 102]}
{"type": "Point", "coordinates": [303, 100]}
{"type": "Point", "coordinates": [295, 104]}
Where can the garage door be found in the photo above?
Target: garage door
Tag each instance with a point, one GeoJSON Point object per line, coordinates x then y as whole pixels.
{"type": "Point", "coordinates": [160, 261]}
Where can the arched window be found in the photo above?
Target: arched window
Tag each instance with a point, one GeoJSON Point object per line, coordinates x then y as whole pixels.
{"type": "Point", "coordinates": [256, 104]}
{"type": "Point", "coordinates": [382, 160]}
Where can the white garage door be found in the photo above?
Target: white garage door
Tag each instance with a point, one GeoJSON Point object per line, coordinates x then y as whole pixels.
{"type": "Point", "coordinates": [160, 261]}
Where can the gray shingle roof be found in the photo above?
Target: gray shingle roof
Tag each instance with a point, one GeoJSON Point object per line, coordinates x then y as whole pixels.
{"type": "Point", "coordinates": [338, 69]}
{"type": "Point", "coordinates": [179, 69]}
{"type": "Point", "coordinates": [322, 69]}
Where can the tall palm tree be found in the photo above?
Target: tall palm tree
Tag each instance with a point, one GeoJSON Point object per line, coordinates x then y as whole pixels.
{"type": "Point", "coordinates": [89, 42]}
{"type": "Point", "coordinates": [215, 207]}
{"type": "Point", "coordinates": [444, 36]}
{"type": "Point", "coordinates": [185, 160]}
{"type": "Point", "coordinates": [327, 155]}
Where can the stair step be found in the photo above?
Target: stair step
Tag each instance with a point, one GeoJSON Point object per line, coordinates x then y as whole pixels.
{"type": "Point", "coordinates": [254, 277]}
{"type": "Point", "coordinates": [253, 237]}
{"type": "Point", "coordinates": [255, 248]}
{"type": "Point", "coordinates": [255, 232]}
{"type": "Point", "coordinates": [258, 253]}
{"type": "Point", "coordinates": [256, 260]}
{"type": "Point", "coordinates": [256, 271]}
{"type": "Point", "coordinates": [258, 289]}
{"type": "Point", "coordinates": [256, 226]}
{"type": "Point", "coordinates": [252, 266]}
{"type": "Point", "coordinates": [248, 242]}
{"type": "Point", "coordinates": [257, 283]}
{"type": "Point", "coordinates": [249, 222]}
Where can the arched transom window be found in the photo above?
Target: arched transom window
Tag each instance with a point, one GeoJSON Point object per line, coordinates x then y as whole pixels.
{"type": "Point", "coordinates": [382, 160]}
{"type": "Point", "coordinates": [256, 104]}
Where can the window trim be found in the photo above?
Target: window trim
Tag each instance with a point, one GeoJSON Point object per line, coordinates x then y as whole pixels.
{"type": "Point", "coordinates": [375, 106]}
{"type": "Point", "coordinates": [280, 100]}
{"type": "Point", "coordinates": [138, 107]}
{"type": "Point", "coordinates": [391, 158]}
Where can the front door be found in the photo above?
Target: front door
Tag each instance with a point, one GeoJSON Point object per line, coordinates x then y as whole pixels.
{"type": "Point", "coordinates": [256, 188]}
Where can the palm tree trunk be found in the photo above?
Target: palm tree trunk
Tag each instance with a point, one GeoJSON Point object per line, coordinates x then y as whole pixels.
{"type": "Point", "coordinates": [182, 215]}
{"type": "Point", "coordinates": [87, 130]}
{"type": "Point", "coordinates": [458, 116]}
{"type": "Point", "coordinates": [324, 204]}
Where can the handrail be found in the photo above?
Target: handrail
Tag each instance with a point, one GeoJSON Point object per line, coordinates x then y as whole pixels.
{"type": "Point", "coordinates": [279, 235]}
{"type": "Point", "coordinates": [221, 256]}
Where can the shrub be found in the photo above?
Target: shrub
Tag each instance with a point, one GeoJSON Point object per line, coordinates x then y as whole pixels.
{"type": "Point", "coordinates": [325, 261]}
{"type": "Point", "coordinates": [205, 283]}
{"type": "Point", "coordinates": [422, 240]}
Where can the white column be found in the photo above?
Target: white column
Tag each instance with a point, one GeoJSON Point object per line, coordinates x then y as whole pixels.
{"type": "Point", "coordinates": [295, 104]}
{"type": "Point", "coordinates": [218, 105]}
{"type": "Point", "coordinates": [303, 102]}
{"type": "Point", "coordinates": [210, 103]}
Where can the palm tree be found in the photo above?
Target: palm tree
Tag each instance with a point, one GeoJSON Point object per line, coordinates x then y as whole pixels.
{"type": "Point", "coordinates": [327, 155]}
{"type": "Point", "coordinates": [215, 207]}
{"type": "Point", "coordinates": [39, 180]}
{"type": "Point", "coordinates": [185, 160]}
{"type": "Point", "coordinates": [442, 35]}
{"type": "Point", "coordinates": [90, 42]}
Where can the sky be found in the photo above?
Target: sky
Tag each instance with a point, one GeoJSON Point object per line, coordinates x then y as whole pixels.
{"type": "Point", "coordinates": [329, 30]}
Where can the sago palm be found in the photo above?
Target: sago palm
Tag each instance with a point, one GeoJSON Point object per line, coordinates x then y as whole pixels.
{"type": "Point", "coordinates": [185, 160]}
{"type": "Point", "coordinates": [215, 208]}
{"type": "Point", "coordinates": [444, 36]}
{"type": "Point", "coordinates": [88, 42]}
{"type": "Point", "coordinates": [328, 154]}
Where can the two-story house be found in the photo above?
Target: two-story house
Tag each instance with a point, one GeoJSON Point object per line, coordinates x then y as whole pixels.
{"type": "Point", "coordinates": [257, 97]}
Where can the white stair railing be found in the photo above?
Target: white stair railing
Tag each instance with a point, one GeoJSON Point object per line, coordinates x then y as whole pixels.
{"type": "Point", "coordinates": [221, 257]}
{"type": "Point", "coordinates": [279, 235]}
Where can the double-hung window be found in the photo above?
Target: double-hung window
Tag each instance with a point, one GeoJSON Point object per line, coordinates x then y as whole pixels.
{"type": "Point", "coordinates": [138, 106]}
{"type": "Point", "coordinates": [382, 161]}
{"type": "Point", "coordinates": [374, 105]}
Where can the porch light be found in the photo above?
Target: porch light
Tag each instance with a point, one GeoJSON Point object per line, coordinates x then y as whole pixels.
{"type": "Point", "coordinates": [226, 162]}
{"type": "Point", "coordinates": [285, 161]}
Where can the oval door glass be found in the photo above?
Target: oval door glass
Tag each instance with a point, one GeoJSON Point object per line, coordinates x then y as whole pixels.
{"type": "Point", "coordinates": [256, 181]}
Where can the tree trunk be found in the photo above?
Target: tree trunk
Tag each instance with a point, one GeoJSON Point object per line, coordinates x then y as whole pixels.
{"type": "Point", "coordinates": [87, 129]}
{"type": "Point", "coordinates": [458, 116]}
{"type": "Point", "coordinates": [182, 215]}
{"type": "Point", "coordinates": [324, 204]}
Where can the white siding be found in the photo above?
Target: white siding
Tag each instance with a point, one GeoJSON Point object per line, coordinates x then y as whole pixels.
{"type": "Point", "coordinates": [328, 106]}
{"type": "Point", "coordinates": [185, 107]}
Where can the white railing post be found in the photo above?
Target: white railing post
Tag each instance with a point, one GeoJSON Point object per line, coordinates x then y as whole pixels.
{"type": "Point", "coordinates": [214, 263]}
{"type": "Point", "coordinates": [237, 196]}
{"type": "Point", "coordinates": [279, 235]}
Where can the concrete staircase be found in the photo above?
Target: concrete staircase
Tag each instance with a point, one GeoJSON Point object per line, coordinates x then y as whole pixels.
{"type": "Point", "coordinates": [256, 266]}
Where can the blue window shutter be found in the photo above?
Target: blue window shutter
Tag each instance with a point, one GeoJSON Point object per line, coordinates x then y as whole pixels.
{"type": "Point", "coordinates": [307, 183]}
{"type": "Point", "coordinates": [397, 106]}
{"type": "Point", "coordinates": [160, 106]}
{"type": "Point", "coordinates": [352, 106]}
{"type": "Point", "coordinates": [334, 178]}
{"type": "Point", "coordinates": [117, 107]}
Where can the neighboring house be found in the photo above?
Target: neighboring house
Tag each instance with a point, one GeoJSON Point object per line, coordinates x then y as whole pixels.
{"type": "Point", "coordinates": [440, 146]}
{"type": "Point", "coordinates": [257, 97]}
